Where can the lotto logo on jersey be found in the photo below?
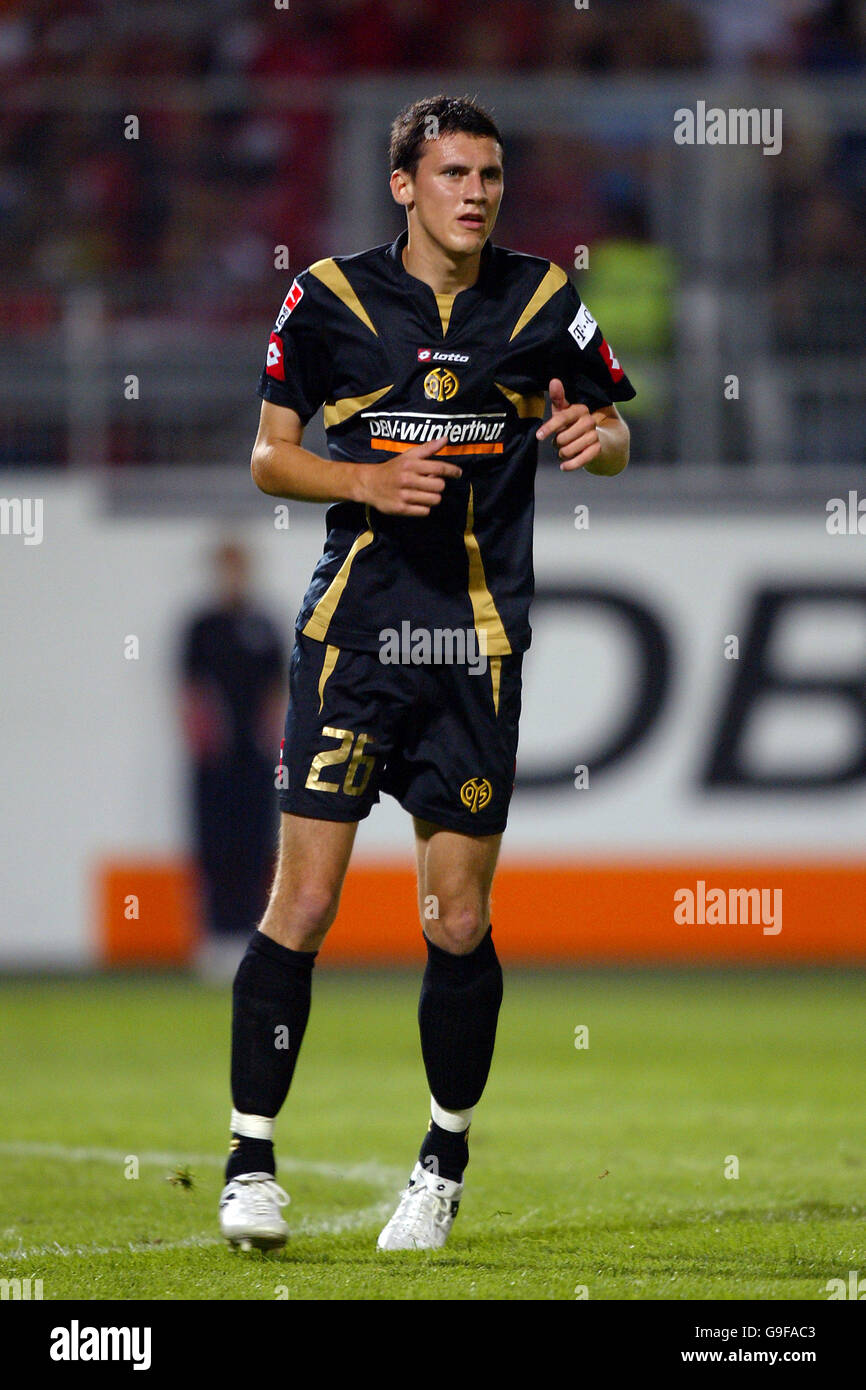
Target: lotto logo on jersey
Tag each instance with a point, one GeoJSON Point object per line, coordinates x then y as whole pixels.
{"type": "Point", "coordinates": [276, 365]}
{"type": "Point", "coordinates": [291, 301]}
{"type": "Point", "coordinates": [613, 366]}
{"type": "Point", "coordinates": [433, 355]}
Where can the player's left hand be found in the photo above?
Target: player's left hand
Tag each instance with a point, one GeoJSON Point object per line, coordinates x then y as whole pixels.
{"type": "Point", "coordinates": [577, 438]}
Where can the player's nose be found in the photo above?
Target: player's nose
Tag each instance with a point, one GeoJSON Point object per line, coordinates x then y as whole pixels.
{"type": "Point", "coordinates": [473, 190]}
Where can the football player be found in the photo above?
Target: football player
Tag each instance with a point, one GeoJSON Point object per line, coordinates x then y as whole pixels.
{"type": "Point", "coordinates": [431, 357]}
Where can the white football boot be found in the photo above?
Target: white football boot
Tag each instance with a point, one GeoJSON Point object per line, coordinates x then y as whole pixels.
{"type": "Point", "coordinates": [425, 1213]}
{"type": "Point", "coordinates": [250, 1212]}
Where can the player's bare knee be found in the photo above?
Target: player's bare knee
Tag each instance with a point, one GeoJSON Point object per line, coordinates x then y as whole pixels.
{"type": "Point", "coordinates": [297, 934]}
{"type": "Point", "coordinates": [315, 903]}
{"type": "Point", "coordinates": [299, 915]}
{"type": "Point", "coordinates": [458, 929]}
{"type": "Point", "coordinates": [293, 936]}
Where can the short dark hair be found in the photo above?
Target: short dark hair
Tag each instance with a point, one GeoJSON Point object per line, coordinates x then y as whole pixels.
{"type": "Point", "coordinates": [412, 127]}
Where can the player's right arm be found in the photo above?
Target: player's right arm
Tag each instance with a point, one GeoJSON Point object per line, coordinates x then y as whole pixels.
{"type": "Point", "coordinates": [409, 484]}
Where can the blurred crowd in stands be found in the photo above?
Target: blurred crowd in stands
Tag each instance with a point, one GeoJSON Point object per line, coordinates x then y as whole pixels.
{"type": "Point", "coordinates": [187, 215]}
{"type": "Point", "coordinates": [107, 39]}
{"type": "Point", "coordinates": [78, 200]}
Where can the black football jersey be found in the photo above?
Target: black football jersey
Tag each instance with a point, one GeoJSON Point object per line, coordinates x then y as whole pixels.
{"type": "Point", "coordinates": [395, 364]}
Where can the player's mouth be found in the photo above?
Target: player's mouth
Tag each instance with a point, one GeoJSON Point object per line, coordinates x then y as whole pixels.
{"type": "Point", "coordinates": [473, 219]}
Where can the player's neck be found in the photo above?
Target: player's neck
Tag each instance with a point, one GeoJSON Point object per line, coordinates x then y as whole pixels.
{"type": "Point", "coordinates": [443, 273]}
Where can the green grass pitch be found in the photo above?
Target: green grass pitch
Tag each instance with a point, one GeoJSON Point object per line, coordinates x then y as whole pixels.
{"type": "Point", "coordinates": [599, 1168]}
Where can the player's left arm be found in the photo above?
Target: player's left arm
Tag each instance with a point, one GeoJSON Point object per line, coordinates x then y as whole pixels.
{"type": "Point", "coordinates": [597, 440]}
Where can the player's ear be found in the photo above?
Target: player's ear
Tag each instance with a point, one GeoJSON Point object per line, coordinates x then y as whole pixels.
{"type": "Point", "coordinates": [401, 188]}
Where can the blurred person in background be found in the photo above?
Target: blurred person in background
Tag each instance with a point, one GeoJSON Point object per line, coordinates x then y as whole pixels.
{"type": "Point", "coordinates": [232, 667]}
{"type": "Point", "coordinates": [632, 283]}
{"type": "Point", "coordinates": [782, 35]}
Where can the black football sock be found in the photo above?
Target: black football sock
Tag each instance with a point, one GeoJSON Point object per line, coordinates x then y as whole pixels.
{"type": "Point", "coordinates": [457, 1015]}
{"type": "Point", "coordinates": [271, 1005]}
{"type": "Point", "coordinates": [444, 1152]}
{"type": "Point", "coordinates": [250, 1156]}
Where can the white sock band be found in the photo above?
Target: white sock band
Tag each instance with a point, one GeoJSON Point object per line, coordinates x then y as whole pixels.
{"type": "Point", "coordinates": [454, 1120]}
{"type": "Point", "coordinates": [252, 1126]}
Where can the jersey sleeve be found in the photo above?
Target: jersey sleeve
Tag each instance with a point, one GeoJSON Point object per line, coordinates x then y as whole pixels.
{"type": "Point", "coordinates": [297, 368]}
{"type": "Point", "coordinates": [580, 356]}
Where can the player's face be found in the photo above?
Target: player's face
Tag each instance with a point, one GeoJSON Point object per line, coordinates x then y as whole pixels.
{"type": "Point", "coordinates": [457, 190]}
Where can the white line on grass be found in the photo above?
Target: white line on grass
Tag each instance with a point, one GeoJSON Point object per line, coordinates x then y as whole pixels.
{"type": "Point", "coordinates": [305, 1226]}
{"type": "Point", "coordinates": [374, 1173]}
{"type": "Point", "coordinates": [384, 1178]}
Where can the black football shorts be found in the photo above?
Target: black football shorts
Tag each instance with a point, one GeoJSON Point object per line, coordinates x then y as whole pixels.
{"type": "Point", "coordinates": [442, 738]}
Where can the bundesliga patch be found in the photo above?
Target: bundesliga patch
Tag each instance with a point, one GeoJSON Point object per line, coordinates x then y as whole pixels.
{"type": "Point", "coordinates": [613, 366]}
{"type": "Point", "coordinates": [582, 327]}
{"type": "Point", "coordinates": [276, 366]}
{"type": "Point", "coordinates": [290, 302]}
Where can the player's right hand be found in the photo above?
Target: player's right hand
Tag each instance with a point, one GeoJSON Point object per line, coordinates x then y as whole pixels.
{"type": "Point", "coordinates": [410, 483]}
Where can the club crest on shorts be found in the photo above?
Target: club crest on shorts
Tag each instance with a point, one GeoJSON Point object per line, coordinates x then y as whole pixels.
{"type": "Point", "coordinates": [476, 793]}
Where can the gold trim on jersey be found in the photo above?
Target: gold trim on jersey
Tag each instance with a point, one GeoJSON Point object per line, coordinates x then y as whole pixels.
{"type": "Point", "coordinates": [554, 279]}
{"type": "Point", "coordinates": [445, 303]}
{"type": "Point", "coordinates": [495, 673]}
{"type": "Point", "coordinates": [332, 276]}
{"type": "Point", "coordinates": [337, 411]}
{"type": "Point", "coordinates": [317, 624]}
{"type": "Point", "coordinates": [487, 619]}
{"type": "Point", "coordinates": [526, 406]}
{"type": "Point", "coordinates": [331, 654]}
